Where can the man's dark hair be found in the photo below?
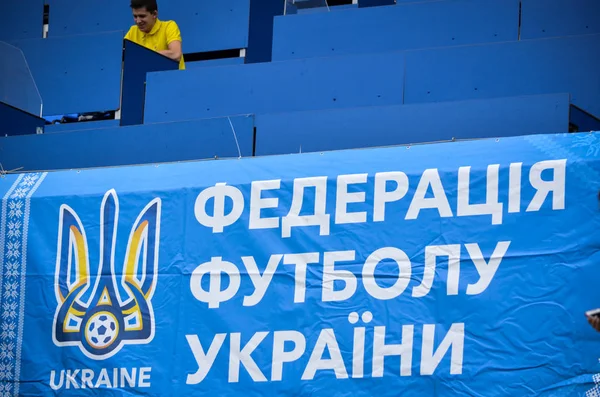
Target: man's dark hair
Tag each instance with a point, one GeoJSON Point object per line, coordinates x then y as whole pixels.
{"type": "Point", "coordinates": [149, 5]}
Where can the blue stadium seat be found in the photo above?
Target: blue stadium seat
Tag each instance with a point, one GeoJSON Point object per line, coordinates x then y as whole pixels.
{"type": "Point", "coordinates": [14, 121]}
{"type": "Point", "coordinates": [568, 64]}
{"type": "Point", "coordinates": [321, 130]}
{"type": "Point", "coordinates": [399, 27]}
{"type": "Point", "coordinates": [76, 74]}
{"type": "Point", "coordinates": [89, 16]}
{"type": "Point", "coordinates": [140, 144]}
{"type": "Point", "coordinates": [553, 18]}
{"type": "Point", "coordinates": [209, 25]}
{"type": "Point", "coordinates": [22, 19]}
{"type": "Point", "coordinates": [17, 87]}
{"type": "Point", "coordinates": [318, 83]}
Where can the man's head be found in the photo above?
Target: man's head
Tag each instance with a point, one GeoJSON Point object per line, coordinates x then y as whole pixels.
{"type": "Point", "coordinates": [145, 13]}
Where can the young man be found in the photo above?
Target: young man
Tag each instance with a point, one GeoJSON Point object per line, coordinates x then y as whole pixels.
{"type": "Point", "coordinates": [163, 37]}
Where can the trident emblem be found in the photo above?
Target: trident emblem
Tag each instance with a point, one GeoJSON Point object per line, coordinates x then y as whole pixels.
{"type": "Point", "coordinates": [91, 311]}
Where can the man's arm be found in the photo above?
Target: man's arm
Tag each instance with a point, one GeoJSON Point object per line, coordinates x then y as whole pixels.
{"type": "Point", "coordinates": [174, 51]}
{"type": "Point", "coordinates": [173, 42]}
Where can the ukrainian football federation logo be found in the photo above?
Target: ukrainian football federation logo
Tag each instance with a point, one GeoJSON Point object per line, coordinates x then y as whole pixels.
{"type": "Point", "coordinates": [95, 312]}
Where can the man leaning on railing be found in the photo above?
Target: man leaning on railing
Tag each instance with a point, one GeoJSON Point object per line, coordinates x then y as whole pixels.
{"type": "Point", "coordinates": [163, 37]}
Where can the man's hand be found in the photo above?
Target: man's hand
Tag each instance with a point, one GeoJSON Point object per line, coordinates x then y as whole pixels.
{"type": "Point", "coordinates": [594, 322]}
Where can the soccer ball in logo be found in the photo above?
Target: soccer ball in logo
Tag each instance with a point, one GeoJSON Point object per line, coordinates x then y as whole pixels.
{"type": "Point", "coordinates": [101, 330]}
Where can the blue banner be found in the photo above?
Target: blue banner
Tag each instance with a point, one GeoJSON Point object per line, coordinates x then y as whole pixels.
{"type": "Point", "coordinates": [458, 269]}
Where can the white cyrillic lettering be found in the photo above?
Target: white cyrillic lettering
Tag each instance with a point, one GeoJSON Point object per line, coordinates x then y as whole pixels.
{"type": "Point", "coordinates": [330, 275]}
{"type": "Point", "coordinates": [491, 206]}
{"type": "Point", "coordinates": [431, 254]}
{"type": "Point", "coordinates": [382, 196]}
{"type": "Point", "coordinates": [127, 377]}
{"type": "Point", "coordinates": [320, 218]}
{"type": "Point", "coordinates": [455, 338]}
{"type": "Point", "coordinates": [556, 185]}
{"type": "Point", "coordinates": [214, 296]}
{"type": "Point", "coordinates": [261, 283]}
{"type": "Point", "coordinates": [358, 353]}
{"type": "Point", "coordinates": [439, 200]}
{"type": "Point", "coordinates": [301, 261]}
{"type": "Point", "coordinates": [257, 203]}
{"type": "Point", "coordinates": [281, 356]}
{"type": "Point", "coordinates": [486, 270]}
{"type": "Point", "coordinates": [115, 382]}
{"type": "Point", "coordinates": [369, 278]}
{"type": "Point", "coordinates": [87, 378]}
{"type": "Point", "coordinates": [145, 377]}
{"type": "Point", "coordinates": [219, 220]}
{"type": "Point", "coordinates": [53, 384]}
{"type": "Point", "coordinates": [238, 356]}
{"type": "Point", "coordinates": [316, 361]}
{"type": "Point", "coordinates": [204, 361]}
{"type": "Point", "coordinates": [103, 379]}
{"type": "Point", "coordinates": [343, 198]}
{"type": "Point", "coordinates": [514, 188]}
{"type": "Point", "coordinates": [404, 350]}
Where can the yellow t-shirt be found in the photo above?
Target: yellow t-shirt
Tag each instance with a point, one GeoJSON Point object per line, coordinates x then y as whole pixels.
{"type": "Point", "coordinates": [162, 34]}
